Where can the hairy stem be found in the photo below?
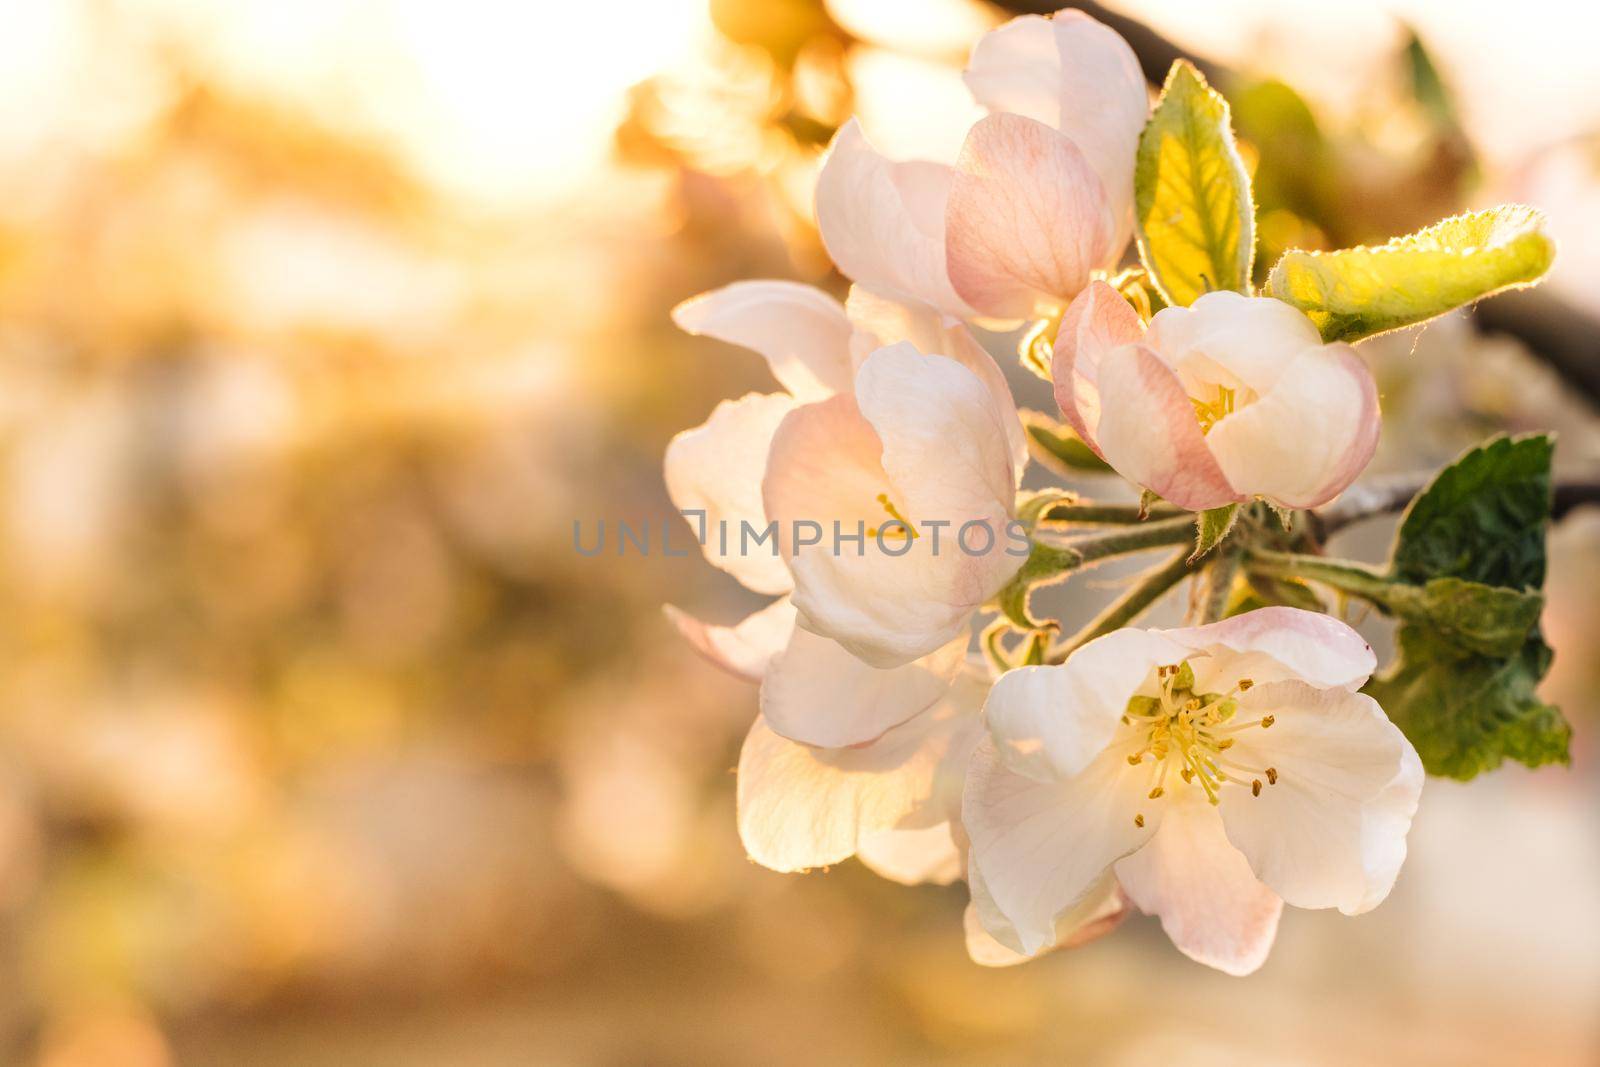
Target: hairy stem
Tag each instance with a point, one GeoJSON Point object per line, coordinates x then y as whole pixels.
{"type": "Point", "coordinates": [1138, 538]}
{"type": "Point", "coordinates": [1129, 606]}
{"type": "Point", "coordinates": [1354, 578]}
{"type": "Point", "coordinates": [1088, 513]}
{"type": "Point", "coordinates": [1212, 585]}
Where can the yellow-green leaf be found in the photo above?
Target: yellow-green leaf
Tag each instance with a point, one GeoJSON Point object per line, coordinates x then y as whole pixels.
{"type": "Point", "coordinates": [1193, 212]}
{"type": "Point", "coordinates": [1358, 292]}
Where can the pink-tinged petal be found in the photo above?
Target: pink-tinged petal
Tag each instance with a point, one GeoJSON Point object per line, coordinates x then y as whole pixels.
{"type": "Point", "coordinates": [1331, 833]}
{"type": "Point", "coordinates": [1148, 431]}
{"type": "Point", "coordinates": [824, 464]}
{"type": "Point", "coordinates": [1225, 338]}
{"type": "Point", "coordinates": [883, 222]}
{"type": "Point", "coordinates": [718, 468]}
{"type": "Point", "coordinates": [881, 322]}
{"type": "Point", "coordinates": [1102, 910]}
{"type": "Point", "coordinates": [802, 807]}
{"type": "Point", "coordinates": [947, 469]}
{"type": "Point", "coordinates": [816, 693]}
{"type": "Point", "coordinates": [1077, 75]}
{"type": "Point", "coordinates": [886, 609]}
{"type": "Point", "coordinates": [801, 331]}
{"type": "Point", "coordinates": [1306, 439]}
{"type": "Point", "coordinates": [1211, 905]}
{"type": "Point", "coordinates": [1052, 722]}
{"type": "Point", "coordinates": [1027, 221]}
{"type": "Point", "coordinates": [1041, 847]}
{"type": "Point", "coordinates": [1305, 645]}
{"type": "Point", "coordinates": [1095, 323]}
{"type": "Point", "coordinates": [922, 855]}
{"type": "Point", "coordinates": [744, 649]}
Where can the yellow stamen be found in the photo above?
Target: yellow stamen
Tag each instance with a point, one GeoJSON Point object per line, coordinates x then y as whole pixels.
{"type": "Point", "coordinates": [902, 526]}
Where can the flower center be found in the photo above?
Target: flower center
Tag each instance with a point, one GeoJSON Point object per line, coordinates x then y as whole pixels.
{"type": "Point", "coordinates": [1213, 408]}
{"type": "Point", "coordinates": [1191, 732]}
{"type": "Point", "coordinates": [898, 526]}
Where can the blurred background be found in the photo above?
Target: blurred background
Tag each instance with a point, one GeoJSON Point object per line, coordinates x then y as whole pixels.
{"type": "Point", "coordinates": [321, 321]}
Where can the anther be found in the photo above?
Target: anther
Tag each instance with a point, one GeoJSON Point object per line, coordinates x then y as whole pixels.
{"type": "Point", "coordinates": [1155, 794]}
{"type": "Point", "coordinates": [1255, 787]}
{"type": "Point", "coordinates": [1133, 760]}
{"type": "Point", "coordinates": [1225, 744]}
{"type": "Point", "coordinates": [1138, 820]}
{"type": "Point", "coordinates": [1245, 683]}
{"type": "Point", "coordinates": [1272, 775]}
{"type": "Point", "coordinates": [1267, 721]}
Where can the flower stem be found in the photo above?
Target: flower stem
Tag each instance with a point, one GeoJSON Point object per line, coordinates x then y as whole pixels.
{"type": "Point", "coordinates": [1088, 513]}
{"type": "Point", "coordinates": [1050, 561]}
{"type": "Point", "coordinates": [1213, 585]}
{"type": "Point", "coordinates": [1138, 538]}
{"type": "Point", "coordinates": [1343, 575]}
{"type": "Point", "coordinates": [1150, 587]}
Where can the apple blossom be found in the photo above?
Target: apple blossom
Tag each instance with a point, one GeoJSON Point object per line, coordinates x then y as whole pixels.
{"type": "Point", "coordinates": [1231, 398]}
{"type": "Point", "coordinates": [1217, 771]}
{"type": "Point", "coordinates": [1043, 190]}
{"type": "Point", "coordinates": [813, 690]}
{"type": "Point", "coordinates": [919, 457]}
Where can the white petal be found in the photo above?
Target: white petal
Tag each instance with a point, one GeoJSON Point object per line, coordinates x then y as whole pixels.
{"type": "Point", "coordinates": [817, 693]}
{"type": "Point", "coordinates": [1304, 645]}
{"type": "Point", "coordinates": [1227, 338]}
{"type": "Point", "coordinates": [880, 322]}
{"type": "Point", "coordinates": [1149, 433]}
{"type": "Point", "coordinates": [883, 221]}
{"type": "Point", "coordinates": [802, 807]}
{"type": "Point", "coordinates": [945, 447]}
{"type": "Point", "coordinates": [926, 854]}
{"type": "Point", "coordinates": [1102, 909]}
{"type": "Point", "coordinates": [1331, 832]}
{"type": "Point", "coordinates": [1211, 905]}
{"type": "Point", "coordinates": [800, 330]}
{"type": "Point", "coordinates": [1041, 847]}
{"type": "Point", "coordinates": [1309, 437]}
{"type": "Point", "coordinates": [1028, 219]}
{"type": "Point", "coordinates": [1052, 722]}
{"type": "Point", "coordinates": [744, 649]}
{"type": "Point", "coordinates": [1075, 74]}
{"type": "Point", "coordinates": [717, 468]}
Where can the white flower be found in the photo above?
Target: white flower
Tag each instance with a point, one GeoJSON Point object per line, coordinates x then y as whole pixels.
{"type": "Point", "coordinates": [920, 458]}
{"type": "Point", "coordinates": [813, 690]}
{"type": "Point", "coordinates": [1231, 398]}
{"type": "Point", "coordinates": [1217, 772]}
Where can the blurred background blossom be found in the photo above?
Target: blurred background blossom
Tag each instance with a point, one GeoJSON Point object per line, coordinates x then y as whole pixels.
{"type": "Point", "coordinates": [320, 323]}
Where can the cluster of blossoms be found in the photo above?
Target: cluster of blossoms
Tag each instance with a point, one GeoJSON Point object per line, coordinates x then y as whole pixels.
{"type": "Point", "coordinates": [1206, 774]}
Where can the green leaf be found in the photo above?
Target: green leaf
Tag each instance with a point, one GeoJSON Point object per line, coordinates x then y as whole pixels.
{"type": "Point", "coordinates": [1211, 527]}
{"type": "Point", "coordinates": [1358, 292]}
{"type": "Point", "coordinates": [1481, 518]}
{"type": "Point", "coordinates": [1471, 552]}
{"type": "Point", "coordinates": [1058, 447]}
{"type": "Point", "coordinates": [1192, 208]}
{"type": "Point", "coordinates": [1486, 619]}
{"type": "Point", "coordinates": [1468, 713]}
